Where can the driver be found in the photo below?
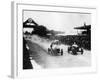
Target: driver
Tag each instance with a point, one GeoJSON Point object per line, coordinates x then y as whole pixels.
{"type": "Point", "coordinates": [74, 45]}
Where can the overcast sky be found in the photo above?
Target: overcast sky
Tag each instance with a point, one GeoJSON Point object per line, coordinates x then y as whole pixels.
{"type": "Point", "coordinates": [59, 21]}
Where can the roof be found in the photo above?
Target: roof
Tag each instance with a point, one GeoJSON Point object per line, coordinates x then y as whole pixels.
{"type": "Point", "coordinates": [85, 27]}
{"type": "Point", "coordinates": [29, 23]}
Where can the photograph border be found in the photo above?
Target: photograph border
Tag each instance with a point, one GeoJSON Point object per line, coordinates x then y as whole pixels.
{"type": "Point", "coordinates": [16, 62]}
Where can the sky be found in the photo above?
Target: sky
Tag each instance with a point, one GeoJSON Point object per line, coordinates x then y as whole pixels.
{"type": "Point", "coordinates": [58, 21]}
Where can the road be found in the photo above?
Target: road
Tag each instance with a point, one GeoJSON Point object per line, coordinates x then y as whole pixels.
{"type": "Point", "coordinates": [41, 58]}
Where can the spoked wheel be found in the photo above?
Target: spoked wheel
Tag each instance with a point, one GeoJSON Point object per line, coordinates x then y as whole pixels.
{"type": "Point", "coordinates": [81, 51]}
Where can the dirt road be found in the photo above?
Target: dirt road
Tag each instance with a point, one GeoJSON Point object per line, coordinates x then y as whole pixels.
{"type": "Point", "coordinates": [41, 58]}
